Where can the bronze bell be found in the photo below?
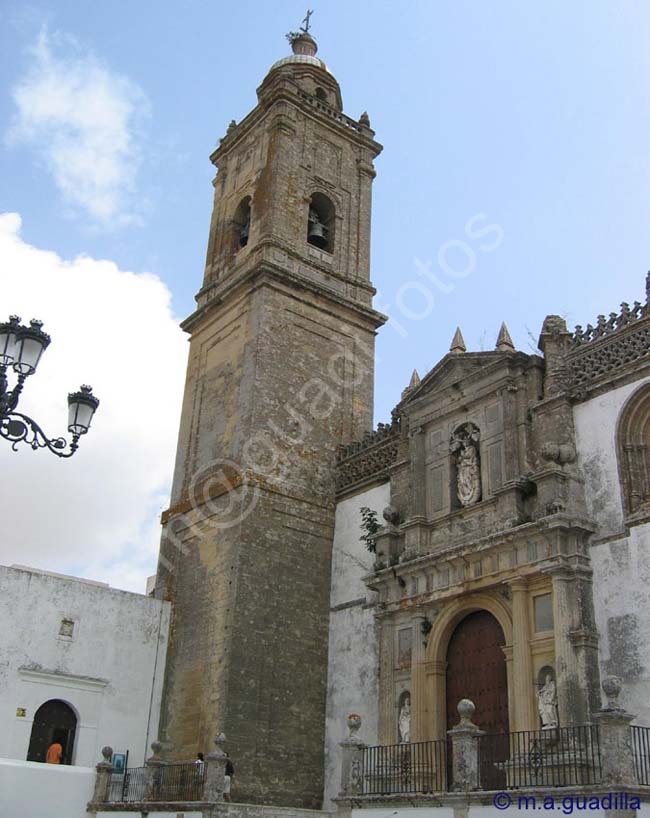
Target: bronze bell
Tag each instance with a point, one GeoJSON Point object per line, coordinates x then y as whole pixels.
{"type": "Point", "coordinates": [317, 232]}
{"type": "Point", "coordinates": [243, 234]}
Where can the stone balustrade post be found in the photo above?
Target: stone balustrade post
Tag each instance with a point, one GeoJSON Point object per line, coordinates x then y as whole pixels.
{"type": "Point", "coordinates": [154, 766]}
{"type": "Point", "coordinates": [616, 753]}
{"type": "Point", "coordinates": [215, 771]}
{"type": "Point", "coordinates": [464, 742]}
{"type": "Point", "coordinates": [103, 778]}
{"type": "Point", "coordinates": [352, 760]}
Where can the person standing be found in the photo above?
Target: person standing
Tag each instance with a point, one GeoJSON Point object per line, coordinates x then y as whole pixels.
{"type": "Point", "coordinates": [54, 753]}
{"type": "Point", "coordinates": [227, 779]}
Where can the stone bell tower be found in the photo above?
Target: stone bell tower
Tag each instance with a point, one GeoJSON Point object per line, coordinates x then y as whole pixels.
{"type": "Point", "coordinates": [280, 374]}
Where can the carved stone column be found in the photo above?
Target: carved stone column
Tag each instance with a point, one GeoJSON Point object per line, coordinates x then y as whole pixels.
{"type": "Point", "coordinates": [571, 695]}
{"type": "Point", "coordinates": [386, 727]}
{"type": "Point", "coordinates": [464, 741]}
{"type": "Point", "coordinates": [215, 771]}
{"type": "Point", "coordinates": [420, 716]}
{"type": "Point", "coordinates": [352, 760]}
{"type": "Point", "coordinates": [617, 757]}
{"type": "Point", "coordinates": [103, 779]}
{"type": "Point", "coordinates": [418, 472]}
{"type": "Point", "coordinates": [522, 670]}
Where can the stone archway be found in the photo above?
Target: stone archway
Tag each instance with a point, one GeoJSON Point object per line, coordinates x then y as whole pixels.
{"type": "Point", "coordinates": [54, 722]}
{"type": "Point", "coordinates": [476, 670]}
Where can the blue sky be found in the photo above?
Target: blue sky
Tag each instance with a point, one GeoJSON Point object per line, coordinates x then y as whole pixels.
{"type": "Point", "coordinates": [534, 114]}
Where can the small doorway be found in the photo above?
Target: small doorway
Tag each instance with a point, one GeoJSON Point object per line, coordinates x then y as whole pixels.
{"type": "Point", "coordinates": [54, 722]}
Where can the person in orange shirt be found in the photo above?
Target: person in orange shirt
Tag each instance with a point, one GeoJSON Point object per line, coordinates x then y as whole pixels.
{"type": "Point", "coordinates": [54, 753]}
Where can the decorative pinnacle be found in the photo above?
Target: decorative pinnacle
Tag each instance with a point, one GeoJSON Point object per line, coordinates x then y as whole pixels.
{"type": "Point", "coordinates": [504, 341]}
{"type": "Point", "coordinates": [457, 343]}
{"type": "Point", "coordinates": [415, 380]}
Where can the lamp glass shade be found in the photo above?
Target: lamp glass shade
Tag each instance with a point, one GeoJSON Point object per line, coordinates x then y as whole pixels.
{"type": "Point", "coordinates": [8, 332]}
{"type": "Point", "coordinates": [81, 408]}
{"type": "Point", "coordinates": [31, 342]}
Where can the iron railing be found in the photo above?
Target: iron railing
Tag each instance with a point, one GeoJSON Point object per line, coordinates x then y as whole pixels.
{"type": "Point", "coordinates": [641, 750]}
{"type": "Point", "coordinates": [420, 767]}
{"type": "Point", "coordinates": [170, 782]}
{"type": "Point", "coordinates": [130, 785]}
{"type": "Point", "coordinates": [556, 757]}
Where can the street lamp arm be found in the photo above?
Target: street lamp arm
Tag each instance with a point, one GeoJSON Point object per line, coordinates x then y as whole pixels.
{"type": "Point", "coordinates": [18, 428]}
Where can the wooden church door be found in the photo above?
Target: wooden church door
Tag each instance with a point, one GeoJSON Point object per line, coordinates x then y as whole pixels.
{"type": "Point", "coordinates": [476, 670]}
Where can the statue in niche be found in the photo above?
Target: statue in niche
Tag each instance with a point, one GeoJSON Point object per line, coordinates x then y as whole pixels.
{"type": "Point", "coordinates": [547, 703]}
{"type": "Point", "coordinates": [404, 720]}
{"type": "Point", "coordinates": [464, 443]}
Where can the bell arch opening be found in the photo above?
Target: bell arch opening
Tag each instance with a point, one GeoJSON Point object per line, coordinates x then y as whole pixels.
{"type": "Point", "coordinates": [321, 223]}
{"type": "Point", "coordinates": [242, 223]}
{"type": "Point", "coordinates": [55, 723]}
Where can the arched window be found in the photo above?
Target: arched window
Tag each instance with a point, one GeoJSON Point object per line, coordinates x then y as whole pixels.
{"type": "Point", "coordinates": [321, 94]}
{"type": "Point", "coordinates": [321, 223]}
{"type": "Point", "coordinates": [242, 223]}
{"type": "Point", "coordinates": [53, 733]}
{"type": "Point", "coordinates": [634, 452]}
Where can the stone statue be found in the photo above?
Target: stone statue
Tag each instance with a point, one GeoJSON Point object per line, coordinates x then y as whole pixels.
{"type": "Point", "coordinates": [547, 704]}
{"type": "Point", "coordinates": [404, 721]}
{"type": "Point", "coordinates": [468, 473]}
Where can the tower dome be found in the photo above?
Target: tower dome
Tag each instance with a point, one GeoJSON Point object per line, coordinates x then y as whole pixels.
{"type": "Point", "coordinates": [307, 70]}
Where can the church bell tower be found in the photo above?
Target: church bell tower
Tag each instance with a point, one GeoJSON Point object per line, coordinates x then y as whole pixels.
{"type": "Point", "coordinates": [280, 374]}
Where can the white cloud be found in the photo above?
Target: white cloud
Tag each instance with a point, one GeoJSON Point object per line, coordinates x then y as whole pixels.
{"type": "Point", "coordinates": [81, 119]}
{"type": "Point", "coordinates": [97, 512]}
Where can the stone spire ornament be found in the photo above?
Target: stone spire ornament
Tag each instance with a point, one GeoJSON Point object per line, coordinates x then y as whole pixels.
{"type": "Point", "coordinates": [457, 343]}
{"type": "Point", "coordinates": [504, 341]}
{"type": "Point", "coordinates": [413, 383]}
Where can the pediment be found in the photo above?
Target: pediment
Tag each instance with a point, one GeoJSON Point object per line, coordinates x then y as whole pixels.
{"type": "Point", "coordinates": [450, 370]}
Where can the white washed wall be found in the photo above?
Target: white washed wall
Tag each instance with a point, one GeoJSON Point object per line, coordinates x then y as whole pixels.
{"type": "Point", "coordinates": [353, 641]}
{"type": "Point", "coordinates": [32, 790]}
{"type": "Point", "coordinates": [110, 672]}
{"type": "Point", "coordinates": [621, 563]}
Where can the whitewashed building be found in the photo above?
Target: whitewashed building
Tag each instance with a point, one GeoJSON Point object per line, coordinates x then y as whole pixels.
{"type": "Point", "coordinates": [80, 663]}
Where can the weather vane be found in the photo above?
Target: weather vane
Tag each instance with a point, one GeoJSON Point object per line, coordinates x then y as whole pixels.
{"type": "Point", "coordinates": [305, 28]}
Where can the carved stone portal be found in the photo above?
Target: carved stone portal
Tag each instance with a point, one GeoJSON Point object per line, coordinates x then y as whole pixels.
{"type": "Point", "coordinates": [465, 446]}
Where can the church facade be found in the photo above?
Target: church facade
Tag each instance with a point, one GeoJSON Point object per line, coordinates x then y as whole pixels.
{"type": "Point", "coordinates": [511, 563]}
{"type": "Point", "coordinates": [489, 543]}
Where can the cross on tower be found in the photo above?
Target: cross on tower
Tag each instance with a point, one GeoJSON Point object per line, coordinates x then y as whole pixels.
{"type": "Point", "coordinates": [305, 28]}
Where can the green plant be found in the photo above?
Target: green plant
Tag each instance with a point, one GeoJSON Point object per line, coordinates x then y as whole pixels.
{"type": "Point", "coordinates": [370, 527]}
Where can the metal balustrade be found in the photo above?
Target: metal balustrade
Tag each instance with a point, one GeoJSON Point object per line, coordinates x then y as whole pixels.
{"type": "Point", "coordinates": [556, 757]}
{"type": "Point", "coordinates": [169, 782]}
{"type": "Point", "coordinates": [420, 767]}
{"type": "Point", "coordinates": [641, 751]}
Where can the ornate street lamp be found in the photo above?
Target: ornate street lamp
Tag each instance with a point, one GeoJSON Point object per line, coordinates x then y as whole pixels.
{"type": "Point", "coordinates": [21, 349]}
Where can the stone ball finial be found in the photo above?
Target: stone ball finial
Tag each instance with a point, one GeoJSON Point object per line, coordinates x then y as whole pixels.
{"type": "Point", "coordinates": [466, 710]}
{"type": "Point", "coordinates": [391, 515]}
{"type": "Point", "coordinates": [107, 754]}
{"type": "Point", "coordinates": [220, 740]}
{"type": "Point", "coordinates": [612, 687]}
{"type": "Point", "coordinates": [354, 723]}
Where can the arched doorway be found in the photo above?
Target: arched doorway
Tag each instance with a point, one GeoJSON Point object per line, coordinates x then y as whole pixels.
{"type": "Point", "coordinates": [54, 721]}
{"type": "Point", "coordinates": [476, 670]}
